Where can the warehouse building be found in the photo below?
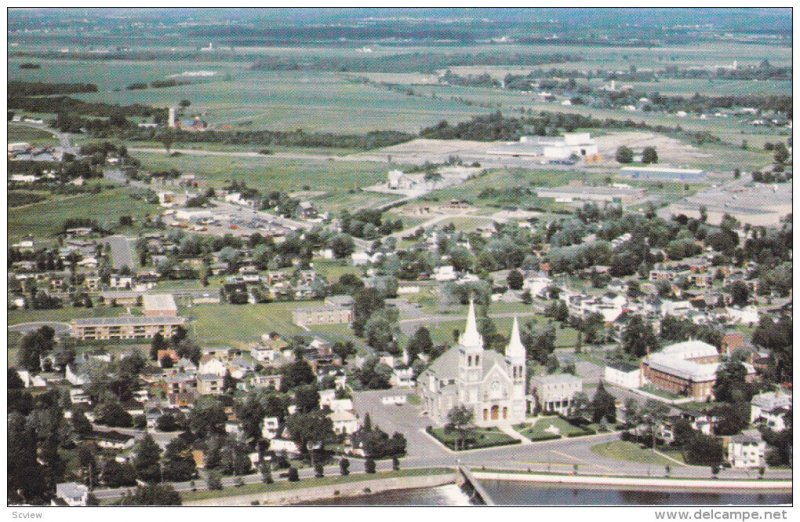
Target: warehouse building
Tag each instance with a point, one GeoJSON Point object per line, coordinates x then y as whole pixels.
{"type": "Point", "coordinates": [160, 305]}
{"type": "Point", "coordinates": [663, 174]}
{"type": "Point", "coordinates": [578, 191]}
{"type": "Point", "coordinates": [578, 144]}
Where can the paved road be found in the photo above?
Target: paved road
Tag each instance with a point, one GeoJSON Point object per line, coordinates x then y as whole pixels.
{"type": "Point", "coordinates": [60, 328]}
{"type": "Point", "coordinates": [121, 254]}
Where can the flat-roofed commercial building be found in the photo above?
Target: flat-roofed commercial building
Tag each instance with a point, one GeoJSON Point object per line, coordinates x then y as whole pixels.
{"type": "Point", "coordinates": [102, 328]}
{"type": "Point", "coordinates": [580, 192]}
{"type": "Point", "coordinates": [663, 174]}
{"type": "Point", "coordinates": [159, 305]}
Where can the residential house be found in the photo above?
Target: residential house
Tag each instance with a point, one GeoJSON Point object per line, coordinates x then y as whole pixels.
{"type": "Point", "coordinates": [770, 409]}
{"type": "Point", "coordinates": [344, 422]}
{"type": "Point", "coordinates": [623, 375]}
{"type": "Point", "coordinates": [71, 494]}
{"type": "Point", "coordinates": [746, 450]}
{"type": "Point", "coordinates": [555, 393]}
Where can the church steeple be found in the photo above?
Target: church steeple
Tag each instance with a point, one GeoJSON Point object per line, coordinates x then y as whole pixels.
{"type": "Point", "coordinates": [515, 349]}
{"type": "Point", "coordinates": [471, 338]}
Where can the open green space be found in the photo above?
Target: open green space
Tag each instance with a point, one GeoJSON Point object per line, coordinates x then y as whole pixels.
{"type": "Point", "coordinates": [539, 429]}
{"type": "Point", "coordinates": [631, 452]}
{"type": "Point", "coordinates": [332, 270]}
{"type": "Point", "coordinates": [477, 438]}
{"type": "Point", "coordinates": [23, 133]}
{"type": "Point", "coordinates": [239, 325]}
{"type": "Point", "coordinates": [282, 485]}
{"type": "Point", "coordinates": [443, 332]}
{"type": "Point", "coordinates": [63, 315]}
{"type": "Point", "coordinates": [267, 173]}
{"type": "Point", "coordinates": [45, 219]}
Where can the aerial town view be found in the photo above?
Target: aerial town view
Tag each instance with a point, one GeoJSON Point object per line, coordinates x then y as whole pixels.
{"type": "Point", "coordinates": [399, 256]}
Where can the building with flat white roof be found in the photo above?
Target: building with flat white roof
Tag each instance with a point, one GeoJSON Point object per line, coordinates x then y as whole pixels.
{"type": "Point", "coordinates": [159, 305]}
{"type": "Point", "coordinates": [657, 173]}
{"type": "Point", "coordinates": [572, 143]}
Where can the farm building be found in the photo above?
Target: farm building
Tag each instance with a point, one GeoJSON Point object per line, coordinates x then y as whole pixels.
{"type": "Point", "coordinates": [577, 191]}
{"type": "Point", "coordinates": [663, 174]}
{"type": "Point", "coordinates": [575, 143]}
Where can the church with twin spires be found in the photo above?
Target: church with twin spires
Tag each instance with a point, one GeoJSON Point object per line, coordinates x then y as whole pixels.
{"type": "Point", "coordinates": [491, 384]}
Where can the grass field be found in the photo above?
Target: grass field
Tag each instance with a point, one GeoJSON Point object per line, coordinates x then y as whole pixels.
{"type": "Point", "coordinates": [443, 332]}
{"type": "Point", "coordinates": [44, 219]}
{"type": "Point", "coordinates": [270, 173]}
{"type": "Point", "coordinates": [239, 325]}
{"type": "Point", "coordinates": [36, 137]}
{"type": "Point", "coordinates": [630, 451]}
{"type": "Point", "coordinates": [63, 315]}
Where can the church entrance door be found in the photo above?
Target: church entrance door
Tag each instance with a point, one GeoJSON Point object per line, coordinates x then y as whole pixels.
{"type": "Point", "coordinates": [495, 412]}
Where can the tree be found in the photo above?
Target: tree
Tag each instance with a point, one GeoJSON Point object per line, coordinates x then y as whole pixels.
{"type": "Point", "coordinates": [111, 413]}
{"type": "Point", "coordinates": [80, 424]}
{"type": "Point", "coordinates": [526, 297]}
{"type": "Point", "coordinates": [214, 480]}
{"type": "Point", "coordinates": [580, 404]}
{"type": "Point", "coordinates": [306, 398]}
{"type": "Point", "coordinates": [228, 382]}
{"type": "Point", "coordinates": [185, 104]}
{"type": "Point", "coordinates": [395, 464]}
{"type": "Point", "coordinates": [731, 418]}
{"type": "Point", "coordinates": [603, 406]}
{"type": "Point", "coordinates": [314, 427]}
{"type": "Point", "coordinates": [207, 417]}
{"type": "Point", "coordinates": [624, 155]}
{"type": "Point", "coordinates": [297, 374]}
{"type": "Point", "coordinates": [740, 295]}
{"type": "Point", "coordinates": [117, 475]}
{"type": "Point", "coordinates": [682, 433]}
{"type": "Point", "coordinates": [342, 245]}
{"type": "Point", "coordinates": [369, 465]}
{"type": "Point", "coordinates": [166, 422]}
{"type": "Point", "coordinates": [35, 345]}
{"type": "Point", "coordinates": [704, 450]}
{"type": "Point", "coordinates": [649, 155]}
{"type": "Point", "coordinates": [653, 413]}
{"type": "Point", "coordinates": [420, 342]}
{"type": "Point", "coordinates": [294, 476]}
{"type": "Point", "coordinates": [731, 385]}
{"type": "Point", "coordinates": [460, 420]}
{"type": "Point", "coordinates": [266, 473]}
{"type": "Point", "coordinates": [638, 337]}
{"type": "Point", "coordinates": [366, 301]}
{"type": "Point", "coordinates": [152, 495]}
{"type": "Point", "coordinates": [344, 467]}
{"type": "Point", "coordinates": [167, 139]}
{"type": "Point", "coordinates": [515, 280]}
{"type": "Point", "coordinates": [179, 465]}
{"type": "Point", "coordinates": [147, 460]}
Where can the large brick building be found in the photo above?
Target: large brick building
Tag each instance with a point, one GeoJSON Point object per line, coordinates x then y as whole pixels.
{"type": "Point", "coordinates": [688, 368]}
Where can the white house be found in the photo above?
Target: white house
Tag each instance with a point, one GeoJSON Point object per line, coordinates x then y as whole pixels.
{"type": "Point", "coordinates": [212, 366]}
{"type": "Point", "coordinates": [359, 258]}
{"type": "Point", "coordinates": [402, 378]}
{"type": "Point", "coordinates": [746, 450]}
{"type": "Point", "coordinates": [623, 375]}
{"type": "Point", "coordinates": [289, 446]}
{"type": "Point", "coordinates": [326, 397]}
{"type": "Point", "coordinates": [444, 273]}
{"type": "Point", "coordinates": [537, 285]}
{"type": "Point", "coordinates": [747, 315]}
{"type": "Point", "coordinates": [72, 494]}
{"type": "Point", "coordinates": [341, 405]}
{"type": "Point", "coordinates": [269, 428]}
{"type": "Point", "coordinates": [344, 422]}
{"type": "Point", "coordinates": [770, 408]}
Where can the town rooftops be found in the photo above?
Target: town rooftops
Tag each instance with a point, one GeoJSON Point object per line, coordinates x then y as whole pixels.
{"type": "Point", "coordinates": [123, 321]}
{"type": "Point", "coordinates": [71, 490]}
{"type": "Point", "coordinates": [623, 366]}
{"type": "Point", "coordinates": [690, 350]}
{"type": "Point", "coordinates": [557, 378]}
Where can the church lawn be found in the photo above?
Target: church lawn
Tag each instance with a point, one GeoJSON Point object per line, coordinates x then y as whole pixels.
{"type": "Point", "coordinates": [538, 430]}
{"type": "Point", "coordinates": [477, 438]}
{"type": "Point", "coordinates": [630, 451]}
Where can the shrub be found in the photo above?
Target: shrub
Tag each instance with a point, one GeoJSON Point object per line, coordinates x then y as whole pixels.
{"type": "Point", "coordinates": [294, 476]}
{"type": "Point", "coordinates": [369, 466]}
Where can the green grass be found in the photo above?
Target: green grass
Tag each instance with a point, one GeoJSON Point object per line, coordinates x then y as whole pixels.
{"type": "Point", "coordinates": [282, 485]}
{"type": "Point", "coordinates": [649, 388]}
{"type": "Point", "coordinates": [62, 314]}
{"type": "Point", "coordinates": [332, 270]}
{"type": "Point", "coordinates": [478, 438]}
{"type": "Point", "coordinates": [629, 451]}
{"type": "Point", "coordinates": [36, 137]}
{"type": "Point", "coordinates": [45, 219]}
{"type": "Point", "coordinates": [239, 325]}
{"type": "Point", "coordinates": [538, 429]}
{"type": "Point", "coordinates": [269, 173]}
{"type": "Point", "coordinates": [443, 332]}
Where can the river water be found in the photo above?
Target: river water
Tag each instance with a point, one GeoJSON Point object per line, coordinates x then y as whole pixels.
{"type": "Point", "coordinates": [523, 493]}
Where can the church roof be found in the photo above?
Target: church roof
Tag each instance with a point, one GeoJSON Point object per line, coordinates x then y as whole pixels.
{"type": "Point", "coordinates": [446, 366]}
{"type": "Point", "coordinates": [515, 347]}
{"type": "Point", "coordinates": [471, 338]}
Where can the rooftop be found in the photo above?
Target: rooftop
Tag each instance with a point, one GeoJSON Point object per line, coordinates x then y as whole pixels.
{"type": "Point", "coordinates": [126, 321]}
{"type": "Point", "coordinates": [159, 302]}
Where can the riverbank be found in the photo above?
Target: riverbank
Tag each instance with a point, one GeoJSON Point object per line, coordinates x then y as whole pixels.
{"type": "Point", "coordinates": [639, 483]}
{"type": "Point", "coordinates": [293, 493]}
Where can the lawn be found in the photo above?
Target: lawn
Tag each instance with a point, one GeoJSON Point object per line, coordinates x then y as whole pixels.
{"type": "Point", "coordinates": [332, 270]}
{"type": "Point", "coordinates": [283, 485]}
{"type": "Point", "coordinates": [538, 430]}
{"type": "Point", "coordinates": [631, 452]}
{"type": "Point", "coordinates": [443, 332]}
{"type": "Point", "coordinates": [240, 325]}
{"type": "Point", "coordinates": [478, 438]}
{"type": "Point", "coordinates": [45, 219]}
{"type": "Point", "coordinates": [63, 315]}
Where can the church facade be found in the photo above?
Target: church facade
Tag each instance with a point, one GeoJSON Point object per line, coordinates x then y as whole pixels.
{"type": "Point", "coordinates": [491, 384]}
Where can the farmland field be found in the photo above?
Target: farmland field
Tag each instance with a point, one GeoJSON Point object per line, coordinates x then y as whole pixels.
{"type": "Point", "coordinates": [44, 219]}
{"type": "Point", "coordinates": [36, 137]}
